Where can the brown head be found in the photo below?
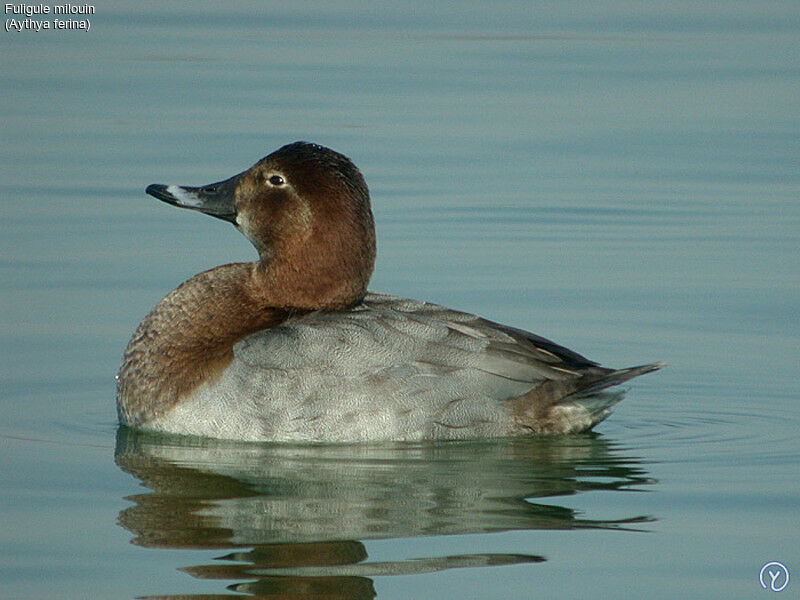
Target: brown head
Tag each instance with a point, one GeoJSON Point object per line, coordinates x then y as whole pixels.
{"type": "Point", "coordinates": [306, 210]}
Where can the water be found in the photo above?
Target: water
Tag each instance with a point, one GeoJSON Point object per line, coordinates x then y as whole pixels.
{"type": "Point", "coordinates": [623, 179]}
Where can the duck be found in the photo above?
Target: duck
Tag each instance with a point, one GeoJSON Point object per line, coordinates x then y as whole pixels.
{"type": "Point", "coordinates": [293, 347]}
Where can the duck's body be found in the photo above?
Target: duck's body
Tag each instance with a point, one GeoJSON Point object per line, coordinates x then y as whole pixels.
{"type": "Point", "coordinates": [293, 348]}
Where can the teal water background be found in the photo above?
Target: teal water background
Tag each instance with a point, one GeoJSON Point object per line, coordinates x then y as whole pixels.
{"type": "Point", "coordinates": [623, 178]}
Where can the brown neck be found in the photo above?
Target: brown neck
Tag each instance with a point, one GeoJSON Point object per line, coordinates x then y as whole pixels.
{"type": "Point", "coordinates": [317, 266]}
{"type": "Point", "coordinates": [286, 284]}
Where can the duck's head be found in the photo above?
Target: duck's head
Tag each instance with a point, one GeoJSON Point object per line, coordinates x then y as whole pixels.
{"type": "Point", "coordinates": [306, 210]}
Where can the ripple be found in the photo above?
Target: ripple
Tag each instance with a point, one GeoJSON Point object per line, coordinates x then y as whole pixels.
{"type": "Point", "coordinates": [740, 430]}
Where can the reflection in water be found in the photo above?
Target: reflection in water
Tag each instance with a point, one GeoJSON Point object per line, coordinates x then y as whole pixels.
{"type": "Point", "coordinates": [299, 513]}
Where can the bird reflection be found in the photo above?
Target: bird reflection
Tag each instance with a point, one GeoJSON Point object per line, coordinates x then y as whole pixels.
{"type": "Point", "coordinates": [293, 518]}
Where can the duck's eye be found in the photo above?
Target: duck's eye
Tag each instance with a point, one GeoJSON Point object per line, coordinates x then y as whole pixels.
{"type": "Point", "coordinates": [276, 180]}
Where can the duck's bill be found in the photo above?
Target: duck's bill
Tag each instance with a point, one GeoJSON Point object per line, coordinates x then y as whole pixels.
{"type": "Point", "coordinates": [215, 199]}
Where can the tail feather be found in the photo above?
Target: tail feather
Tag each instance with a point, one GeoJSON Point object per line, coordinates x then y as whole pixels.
{"type": "Point", "coordinates": [614, 377]}
{"type": "Point", "coordinates": [574, 405]}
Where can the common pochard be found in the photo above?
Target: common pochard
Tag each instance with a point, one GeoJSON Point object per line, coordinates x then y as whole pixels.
{"type": "Point", "coordinates": [292, 347]}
